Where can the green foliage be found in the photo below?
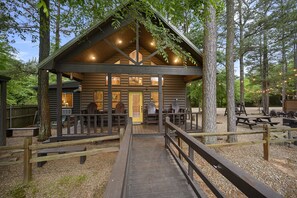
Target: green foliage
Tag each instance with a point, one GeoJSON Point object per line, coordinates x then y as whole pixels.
{"type": "Point", "coordinates": [21, 190]}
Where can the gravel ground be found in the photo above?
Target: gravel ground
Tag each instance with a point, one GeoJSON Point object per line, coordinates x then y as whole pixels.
{"type": "Point", "coordinates": [67, 178]}
{"type": "Point", "coordinates": [59, 178]}
{"type": "Point", "coordinates": [280, 173]}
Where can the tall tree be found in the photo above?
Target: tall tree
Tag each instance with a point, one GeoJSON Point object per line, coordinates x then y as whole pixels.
{"type": "Point", "coordinates": [230, 71]}
{"type": "Point", "coordinates": [43, 76]}
{"type": "Point", "coordinates": [209, 111]}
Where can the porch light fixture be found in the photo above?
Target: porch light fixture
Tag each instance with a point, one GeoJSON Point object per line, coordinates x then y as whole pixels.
{"type": "Point", "coordinates": [119, 41]}
{"type": "Point", "coordinates": [93, 57]}
{"type": "Point", "coordinates": [153, 43]}
{"type": "Point", "coordinates": [176, 60]}
{"type": "Point", "coordinates": [71, 76]}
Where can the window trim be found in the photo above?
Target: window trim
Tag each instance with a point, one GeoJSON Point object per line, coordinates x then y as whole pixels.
{"type": "Point", "coordinates": [135, 77]}
{"type": "Point", "coordinates": [106, 80]}
{"type": "Point", "coordinates": [67, 107]}
{"type": "Point", "coordinates": [158, 81]}
{"type": "Point", "coordinates": [112, 97]}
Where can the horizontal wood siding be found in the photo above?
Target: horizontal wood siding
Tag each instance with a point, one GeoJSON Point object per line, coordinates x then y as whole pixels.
{"type": "Point", "coordinates": [174, 86]}
{"type": "Point", "coordinates": [52, 93]}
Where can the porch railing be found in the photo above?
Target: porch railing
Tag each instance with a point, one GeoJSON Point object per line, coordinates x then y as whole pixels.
{"type": "Point", "coordinates": [93, 123]}
{"type": "Point", "coordinates": [243, 181]}
{"type": "Point", "coordinates": [187, 121]}
{"type": "Point", "coordinates": [117, 184]}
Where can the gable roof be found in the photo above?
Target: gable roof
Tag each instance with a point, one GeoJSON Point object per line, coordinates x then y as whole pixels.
{"type": "Point", "coordinates": [48, 62]}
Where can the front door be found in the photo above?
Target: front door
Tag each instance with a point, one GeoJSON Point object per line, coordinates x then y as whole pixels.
{"type": "Point", "coordinates": [135, 106]}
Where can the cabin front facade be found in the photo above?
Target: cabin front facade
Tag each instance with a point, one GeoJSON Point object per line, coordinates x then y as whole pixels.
{"type": "Point", "coordinates": [123, 65]}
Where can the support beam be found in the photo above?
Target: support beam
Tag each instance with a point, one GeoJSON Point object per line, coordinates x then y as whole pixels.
{"type": "Point", "coordinates": [160, 103]}
{"type": "Point", "coordinates": [59, 104]}
{"type": "Point", "coordinates": [3, 115]}
{"type": "Point", "coordinates": [75, 76]}
{"type": "Point", "coordinates": [109, 104]}
{"type": "Point", "coordinates": [137, 43]}
{"type": "Point", "coordinates": [149, 57]}
{"type": "Point", "coordinates": [83, 43]}
{"type": "Point", "coordinates": [119, 50]}
{"type": "Point", "coordinates": [130, 69]}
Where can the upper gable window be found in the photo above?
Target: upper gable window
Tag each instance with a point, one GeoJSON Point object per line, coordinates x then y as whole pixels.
{"type": "Point", "coordinates": [133, 56]}
{"type": "Point", "coordinates": [118, 62]}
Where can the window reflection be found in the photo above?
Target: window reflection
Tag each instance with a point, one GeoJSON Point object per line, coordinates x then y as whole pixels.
{"type": "Point", "coordinates": [135, 80]}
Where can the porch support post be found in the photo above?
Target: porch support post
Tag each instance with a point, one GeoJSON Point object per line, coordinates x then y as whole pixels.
{"type": "Point", "coordinates": [137, 43]}
{"type": "Point", "coordinates": [3, 115]}
{"type": "Point", "coordinates": [109, 105]}
{"type": "Point", "coordinates": [160, 104]}
{"type": "Point", "coordinates": [59, 104]}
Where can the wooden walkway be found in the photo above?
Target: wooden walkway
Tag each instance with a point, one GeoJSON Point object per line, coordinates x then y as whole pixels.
{"type": "Point", "coordinates": [153, 172]}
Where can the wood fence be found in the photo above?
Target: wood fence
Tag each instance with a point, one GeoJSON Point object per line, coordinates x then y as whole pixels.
{"type": "Point", "coordinates": [20, 116]}
{"type": "Point", "coordinates": [243, 181]}
{"type": "Point", "coordinates": [29, 159]}
{"type": "Point", "coordinates": [266, 140]}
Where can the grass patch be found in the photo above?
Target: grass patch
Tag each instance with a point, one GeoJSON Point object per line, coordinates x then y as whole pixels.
{"type": "Point", "coordinates": [71, 180]}
{"type": "Point", "coordinates": [20, 190]}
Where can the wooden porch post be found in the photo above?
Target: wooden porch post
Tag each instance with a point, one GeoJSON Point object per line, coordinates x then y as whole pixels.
{"type": "Point", "coordinates": [59, 104]}
{"type": "Point", "coordinates": [109, 105]}
{"type": "Point", "coordinates": [137, 43]}
{"type": "Point", "coordinates": [3, 114]}
{"type": "Point", "coordinates": [160, 103]}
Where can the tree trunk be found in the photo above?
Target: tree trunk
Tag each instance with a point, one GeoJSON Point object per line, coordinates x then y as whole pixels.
{"type": "Point", "coordinates": [241, 53]}
{"type": "Point", "coordinates": [295, 63]}
{"type": "Point", "coordinates": [231, 125]}
{"type": "Point", "coordinates": [57, 31]}
{"type": "Point", "coordinates": [209, 73]}
{"type": "Point", "coordinates": [43, 76]}
{"type": "Point", "coordinates": [265, 83]}
{"type": "Point", "coordinates": [284, 71]}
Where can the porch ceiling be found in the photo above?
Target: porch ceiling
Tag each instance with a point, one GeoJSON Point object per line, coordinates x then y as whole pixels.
{"type": "Point", "coordinates": [104, 49]}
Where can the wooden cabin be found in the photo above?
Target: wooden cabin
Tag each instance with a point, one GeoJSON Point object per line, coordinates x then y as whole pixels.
{"type": "Point", "coordinates": [3, 125]}
{"type": "Point", "coordinates": [123, 65]}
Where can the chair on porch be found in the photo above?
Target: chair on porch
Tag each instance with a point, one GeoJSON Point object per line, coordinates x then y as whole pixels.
{"type": "Point", "coordinates": [179, 118]}
{"type": "Point", "coordinates": [120, 109]}
{"type": "Point", "coordinates": [150, 114]}
{"type": "Point", "coordinates": [91, 109]}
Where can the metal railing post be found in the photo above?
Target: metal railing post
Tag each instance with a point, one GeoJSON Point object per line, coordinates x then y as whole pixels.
{"type": "Point", "coordinates": [167, 119]}
{"type": "Point", "coordinates": [191, 156]}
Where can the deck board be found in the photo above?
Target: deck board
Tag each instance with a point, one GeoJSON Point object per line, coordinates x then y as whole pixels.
{"type": "Point", "coordinates": [153, 172]}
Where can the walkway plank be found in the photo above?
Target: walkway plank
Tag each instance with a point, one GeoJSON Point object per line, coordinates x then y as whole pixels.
{"type": "Point", "coordinates": [153, 172]}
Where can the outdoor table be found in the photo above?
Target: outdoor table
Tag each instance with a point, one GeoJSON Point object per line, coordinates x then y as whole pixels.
{"type": "Point", "coordinates": [256, 119]}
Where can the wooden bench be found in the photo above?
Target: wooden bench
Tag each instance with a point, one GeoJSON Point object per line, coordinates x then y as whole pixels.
{"type": "Point", "coordinates": [9, 131]}
{"type": "Point", "coordinates": [61, 150]}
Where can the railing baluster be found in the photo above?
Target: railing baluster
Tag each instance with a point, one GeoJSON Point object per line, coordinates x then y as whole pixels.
{"type": "Point", "coordinates": [102, 117]}
{"type": "Point", "coordinates": [81, 124]}
{"type": "Point", "coordinates": [191, 156]}
{"type": "Point", "coordinates": [75, 124]}
{"type": "Point", "coordinates": [191, 118]}
{"type": "Point", "coordinates": [89, 124]}
{"type": "Point", "coordinates": [95, 124]}
{"type": "Point", "coordinates": [196, 121]}
{"type": "Point", "coordinates": [68, 124]}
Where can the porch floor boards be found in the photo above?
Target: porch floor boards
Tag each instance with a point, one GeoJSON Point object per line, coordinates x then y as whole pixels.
{"type": "Point", "coordinates": [153, 172]}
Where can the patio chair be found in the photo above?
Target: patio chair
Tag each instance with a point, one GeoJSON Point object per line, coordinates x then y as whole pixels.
{"type": "Point", "coordinates": [120, 109]}
{"type": "Point", "coordinates": [91, 109]}
{"type": "Point", "coordinates": [291, 114]}
{"type": "Point", "coordinates": [151, 115]}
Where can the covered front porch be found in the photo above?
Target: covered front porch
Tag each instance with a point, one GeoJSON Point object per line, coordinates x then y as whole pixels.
{"type": "Point", "coordinates": [124, 66]}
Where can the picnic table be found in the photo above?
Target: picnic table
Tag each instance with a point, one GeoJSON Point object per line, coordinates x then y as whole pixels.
{"type": "Point", "coordinates": [254, 120]}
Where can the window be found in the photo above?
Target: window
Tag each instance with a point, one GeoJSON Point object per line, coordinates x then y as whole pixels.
{"type": "Point", "coordinates": [135, 80]}
{"type": "Point", "coordinates": [155, 98]}
{"type": "Point", "coordinates": [155, 80]}
{"type": "Point", "coordinates": [115, 80]}
{"type": "Point", "coordinates": [133, 56]}
{"type": "Point", "coordinates": [67, 100]}
{"type": "Point", "coordinates": [98, 99]}
{"type": "Point", "coordinates": [116, 98]}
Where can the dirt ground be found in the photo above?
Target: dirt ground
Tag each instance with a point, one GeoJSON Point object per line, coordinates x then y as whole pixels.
{"type": "Point", "coordinates": [68, 178]}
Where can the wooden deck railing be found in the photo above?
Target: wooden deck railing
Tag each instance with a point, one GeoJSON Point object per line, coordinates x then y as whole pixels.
{"type": "Point", "coordinates": [117, 183]}
{"type": "Point", "coordinates": [93, 122]}
{"type": "Point", "coordinates": [243, 181]}
{"type": "Point", "coordinates": [180, 120]}
{"type": "Point", "coordinates": [29, 159]}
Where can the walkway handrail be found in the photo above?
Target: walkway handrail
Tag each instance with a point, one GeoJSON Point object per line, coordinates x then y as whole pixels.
{"type": "Point", "coordinates": [243, 181]}
{"type": "Point", "coordinates": [117, 183]}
